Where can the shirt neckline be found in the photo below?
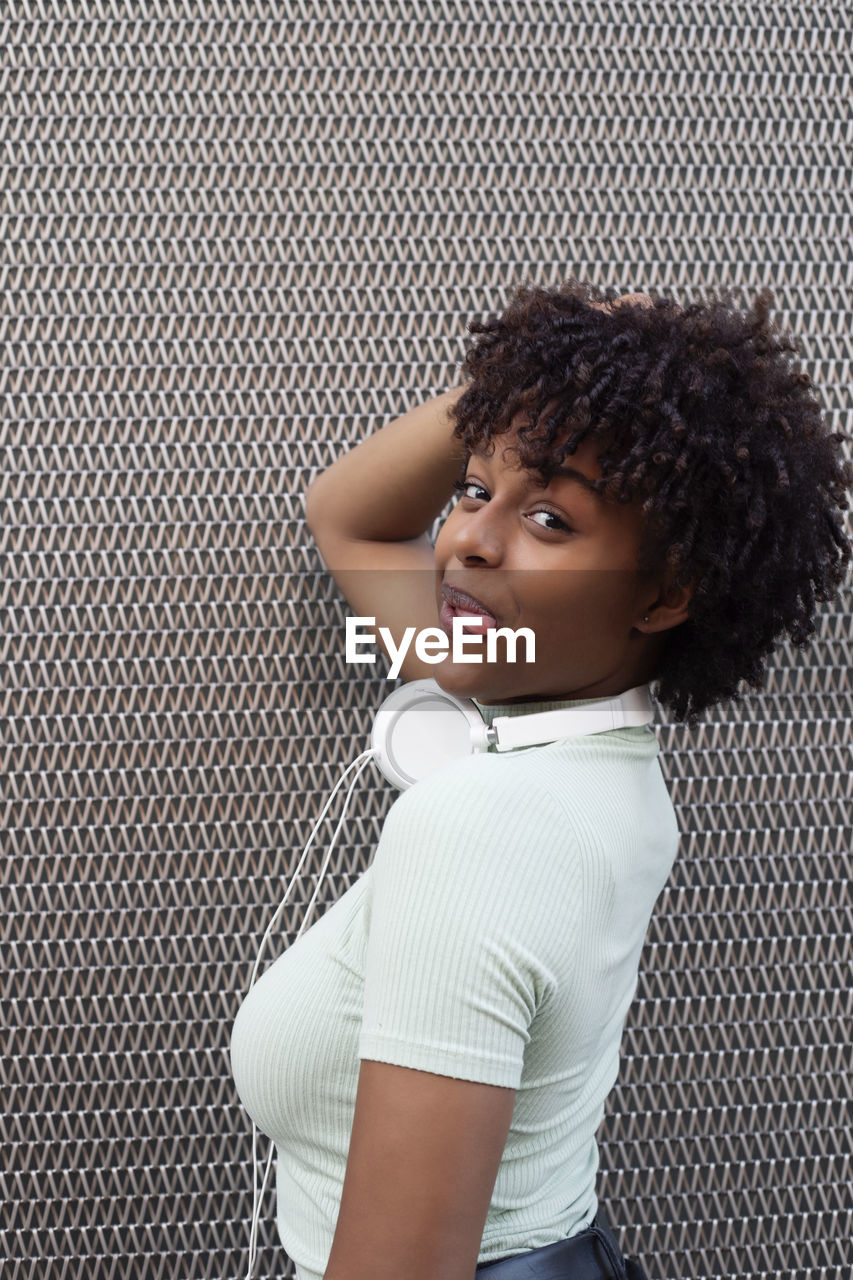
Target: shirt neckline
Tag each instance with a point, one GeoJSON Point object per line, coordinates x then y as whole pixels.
{"type": "Point", "coordinates": [490, 711]}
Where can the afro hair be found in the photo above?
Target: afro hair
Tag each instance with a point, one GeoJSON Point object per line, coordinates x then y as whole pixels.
{"type": "Point", "coordinates": [703, 417]}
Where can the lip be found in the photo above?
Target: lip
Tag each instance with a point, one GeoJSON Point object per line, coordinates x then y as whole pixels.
{"type": "Point", "coordinates": [462, 602]}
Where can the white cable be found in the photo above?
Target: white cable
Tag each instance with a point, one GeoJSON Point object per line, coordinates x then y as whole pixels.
{"type": "Point", "coordinates": [359, 764]}
{"type": "Point", "coordinates": [365, 756]}
{"type": "Point", "coordinates": [257, 1199]}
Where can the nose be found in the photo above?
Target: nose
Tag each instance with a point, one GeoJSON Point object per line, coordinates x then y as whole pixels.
{"type": "Point", "coordinates": [477, 537]}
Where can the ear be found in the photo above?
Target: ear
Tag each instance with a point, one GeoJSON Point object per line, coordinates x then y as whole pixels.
{"type": "Point", "coordinates": [668, 609]}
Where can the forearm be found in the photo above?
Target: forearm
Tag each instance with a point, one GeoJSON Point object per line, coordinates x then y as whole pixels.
{"type": "Point", "coordinates": [393, 485]}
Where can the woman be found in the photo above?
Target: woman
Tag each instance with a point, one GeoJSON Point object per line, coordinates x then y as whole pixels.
{"type": "Point", "coordinates": [651, 489]}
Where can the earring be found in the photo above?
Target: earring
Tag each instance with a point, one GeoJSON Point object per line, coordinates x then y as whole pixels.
{"type": "Point", "coordinates": [646, 618]}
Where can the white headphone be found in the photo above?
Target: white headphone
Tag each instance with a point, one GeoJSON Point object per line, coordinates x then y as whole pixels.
{"type": "Point", "coordinates": [420, 728]}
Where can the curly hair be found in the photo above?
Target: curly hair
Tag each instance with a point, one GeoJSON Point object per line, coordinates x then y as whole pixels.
{"type": "Point", "coordinates": [705, 419]}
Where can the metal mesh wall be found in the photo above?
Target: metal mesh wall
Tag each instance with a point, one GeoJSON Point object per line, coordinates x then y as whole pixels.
{"type": "Point", "coordinates": [236, 238]}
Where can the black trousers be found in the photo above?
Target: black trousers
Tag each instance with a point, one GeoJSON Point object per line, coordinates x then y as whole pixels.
{"type": "Point", "coordinates": [592, 1254]}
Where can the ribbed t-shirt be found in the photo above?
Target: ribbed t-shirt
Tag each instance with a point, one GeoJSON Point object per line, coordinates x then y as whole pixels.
{"type": "Point", "coordinates": [495, 936]}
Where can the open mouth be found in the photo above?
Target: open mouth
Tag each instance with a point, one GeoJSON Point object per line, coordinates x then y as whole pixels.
{"type": "Point", "coordinates": [458, 604]}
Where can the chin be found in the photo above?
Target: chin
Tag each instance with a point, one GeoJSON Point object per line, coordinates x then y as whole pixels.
{"type": "Point", "coordinates": [475, 681]}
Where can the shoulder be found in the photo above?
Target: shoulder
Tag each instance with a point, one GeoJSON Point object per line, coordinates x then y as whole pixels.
{"type": "Point", "coordinates": [484, 814]}
{"type": "Point", "coordinates": [485, 784]}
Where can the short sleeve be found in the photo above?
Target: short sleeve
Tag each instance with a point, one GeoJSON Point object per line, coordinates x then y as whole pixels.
{"type": "Point", "coordinates": [471, 882]}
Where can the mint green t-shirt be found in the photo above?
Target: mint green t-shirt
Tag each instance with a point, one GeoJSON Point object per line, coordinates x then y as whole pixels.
{"type": "Point", "coordinates": [495, 936]}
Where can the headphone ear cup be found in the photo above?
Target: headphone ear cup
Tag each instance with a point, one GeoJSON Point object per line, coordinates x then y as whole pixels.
{"type": "Point", "coordinates": [419, 728]}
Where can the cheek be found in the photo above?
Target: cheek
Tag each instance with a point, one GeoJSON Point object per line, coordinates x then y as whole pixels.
{"type": "Point", "coordinates": [441, 546]}
{"type": "Point", "coordinates": [438, 557]}
{"type": "Point", "coordinates": [581, 605]}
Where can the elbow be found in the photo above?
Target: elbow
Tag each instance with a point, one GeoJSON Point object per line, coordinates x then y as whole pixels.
{"type": "Point", "coordinates": [311, 504]}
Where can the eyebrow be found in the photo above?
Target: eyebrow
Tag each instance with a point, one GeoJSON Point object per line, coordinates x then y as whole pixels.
{"type": "Point", "coordinates": [564, 472]}
{"type": "Point", "coordinates": [571, 473]}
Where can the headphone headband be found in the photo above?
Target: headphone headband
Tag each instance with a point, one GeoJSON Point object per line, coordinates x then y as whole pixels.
{"type": "Point", "coordinates": [420, 727]}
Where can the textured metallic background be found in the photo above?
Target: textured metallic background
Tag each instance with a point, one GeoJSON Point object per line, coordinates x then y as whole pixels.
{"type": "Point", "coordinates": [236, 238]}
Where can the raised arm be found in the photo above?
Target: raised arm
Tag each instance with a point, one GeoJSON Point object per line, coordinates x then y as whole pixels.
{"type": "Point", "coordinates": [369, 513]}
{"type": "Point", "coordinates": [391, 486]}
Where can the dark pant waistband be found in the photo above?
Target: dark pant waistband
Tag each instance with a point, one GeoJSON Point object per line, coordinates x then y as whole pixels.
{"type": "Point", "coordinates": [591, 1254]}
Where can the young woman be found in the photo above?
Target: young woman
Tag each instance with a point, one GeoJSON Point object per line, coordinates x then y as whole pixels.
{"type": "Point", "coordinates": [650, 488]}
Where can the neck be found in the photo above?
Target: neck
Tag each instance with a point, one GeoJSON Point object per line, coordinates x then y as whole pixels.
{"type": "Point", "coordinates": [525, 706]}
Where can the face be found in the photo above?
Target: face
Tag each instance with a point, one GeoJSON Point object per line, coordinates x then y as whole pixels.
{"type": "Point", "coordinates": [560, 561]}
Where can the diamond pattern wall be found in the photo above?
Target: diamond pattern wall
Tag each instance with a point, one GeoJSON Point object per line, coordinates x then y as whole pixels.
{"type": "Point", "coordinates": [237, 238]}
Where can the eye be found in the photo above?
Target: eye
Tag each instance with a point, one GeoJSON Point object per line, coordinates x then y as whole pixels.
{"type": "Point", "coordinates": [558, 526]}
{"type": "Point", "coordinates": [462, 486]}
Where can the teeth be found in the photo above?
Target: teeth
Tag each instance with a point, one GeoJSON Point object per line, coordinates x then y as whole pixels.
{"type": "Point", "coordinates": [485, 618]}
